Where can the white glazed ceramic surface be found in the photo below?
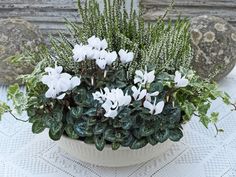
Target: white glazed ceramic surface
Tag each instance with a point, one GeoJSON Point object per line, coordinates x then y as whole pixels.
{"type": "Point", "coordinates": [109, 158]}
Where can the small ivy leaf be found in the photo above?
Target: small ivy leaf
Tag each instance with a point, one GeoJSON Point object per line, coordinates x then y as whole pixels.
{"type": "Point", "coordinates": [38, 127]}
{"type": "Point", "coordinates": [205, 120]}
{"type": "Point", "coordinates": [175, 134]}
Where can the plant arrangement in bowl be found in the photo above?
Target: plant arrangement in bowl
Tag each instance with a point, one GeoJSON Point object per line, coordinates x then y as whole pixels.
{"type": "Point", "coordinates": [117, 91]}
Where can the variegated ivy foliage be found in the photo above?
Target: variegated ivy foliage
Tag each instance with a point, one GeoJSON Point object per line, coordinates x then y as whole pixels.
{"type": "Point", "coordinates": [117, 82]}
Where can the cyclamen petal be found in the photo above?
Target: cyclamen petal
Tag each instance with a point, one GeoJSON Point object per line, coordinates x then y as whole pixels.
{"type": "Point", "coordinates": [144, 77]}
{"type": "Point", "coordinates": [75, 81]}
{"type": "Point", "coordinates": [101, 63]}
{"type": "Point", "coordinates": [180, 82]}
{"type": "Point", "coordinates": [51, 93]}
{"type": "Point", "coordinates": [138, 94]}
{"type": "Point", "coordinates": [159, 107]}
{"type": "Point", "coordinates": [142, 94]}
{"type": "Point", "coordinates": [126, 57]}
{"type": "Point", "coordinates": [104, 44]}
{"type": "Point", "coordinates": [149, 106]}
{"type": "Point", "coordinates": [150, 95]}
{"type": "Point", "coordinates": [154, 108]}
{"type": "Point", "coordinates": [111, 57]}
{"type": "Point", "coordinates": [60, 97]}
{"type": "Point", "coordinates": [111, 113]}
{"type": "Point", "coordinates": [151, 76]}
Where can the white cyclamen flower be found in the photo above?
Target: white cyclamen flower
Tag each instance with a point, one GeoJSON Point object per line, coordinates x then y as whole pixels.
{"type": "Point", "coordinates": [98, 44]}
{"type": "Point", "coordinates": [112, 100]}
{"type": "Point", "coordinates": [105, 58]}
{"type": "Point", "coordinates": [79, 54]}
{"type": "Point", "coordinates": [180, 81]}
{"type": "Point", "coordinates": [125, 56]}
{"type": "Point", "coordinates": [82, 52]}
{"type": "Point", "coordinates": [144, 77]}
{"type": "Point", "coordinates": [154, 108]}
{"type": "Point", "coordinates": [58, 82]}
{"type": "Point", "coordinates": [138, 94]}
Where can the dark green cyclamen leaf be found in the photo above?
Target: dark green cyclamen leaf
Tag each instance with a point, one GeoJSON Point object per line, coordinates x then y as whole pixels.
{"type": "Point", "coordinates": [127, 141]}
{"type": "Point", "coordinates": [99, 128]}
{"type": "Point", "coordinates": [89, 140]}
{"type": "Point", "coordinates": [57, 114]}
{"type": "Point", "coordinates": [137, 144]}
{"type": "Point", "coordinates": [71, 132]}
{"type": "Point", "coordinates": [69, 118]}
{"type": "Point", "coordinates": [120, 84]}
{"type": "Point", "coordinates": [117, 123]}
{"type": "Point", "coordinates": [146, 131]}
{"type": "Point", "coordinates": [175, 116]}
{"type": "Point", "coordinates": [104, 119]}
{"type": "Point", "coordinates": [76, 112]}
{"type": "Point", "coordinates": [80, 97]}
{"type": "Point", "coordinates": [126, 123]}
{"type": "Point", "coordinates": [80, 128]}
{"type": "Point", "coordinates": [162, 135]}
{"type": "Point", "coordinates": [151, 139]}
{"type": "Point", "coordinates": [175, 134]}
{"type": "Point", "coordinates": [115, 146]}
{"type": "Point", "coordinates": [99, 143]}
{"type": "Point", "coordinates": [56, 127]}
{"type": "Point", "coordinates": [91, 112]}
{"type": "Point", "coordinates": [110, 135]}
{"type": "Point", "coordinates": [31, 112]}
{"type": "Point", "coordinates": [156, 86]}
{"type": "Point", "coordinates": [38, 127]}
{"type": "Point", "coordinates": [35, 118]}
{"type": "Point", "coordinates": [56, 136]}
{"type": "Point", "coordinates": [91, 121]}
{"type": "Point", "coordinates": [137, 133]}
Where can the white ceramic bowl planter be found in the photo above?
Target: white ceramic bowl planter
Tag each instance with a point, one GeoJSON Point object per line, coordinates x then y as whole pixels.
{"type": "Point", "coordinates": [110, 158]}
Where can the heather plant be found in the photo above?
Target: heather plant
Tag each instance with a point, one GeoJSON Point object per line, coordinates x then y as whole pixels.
{"type": "Point", "coordinates": [116, 80]}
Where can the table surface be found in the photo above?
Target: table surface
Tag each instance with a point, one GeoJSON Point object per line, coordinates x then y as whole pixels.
{"type": "Point", "coordinates": [198, 154]}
